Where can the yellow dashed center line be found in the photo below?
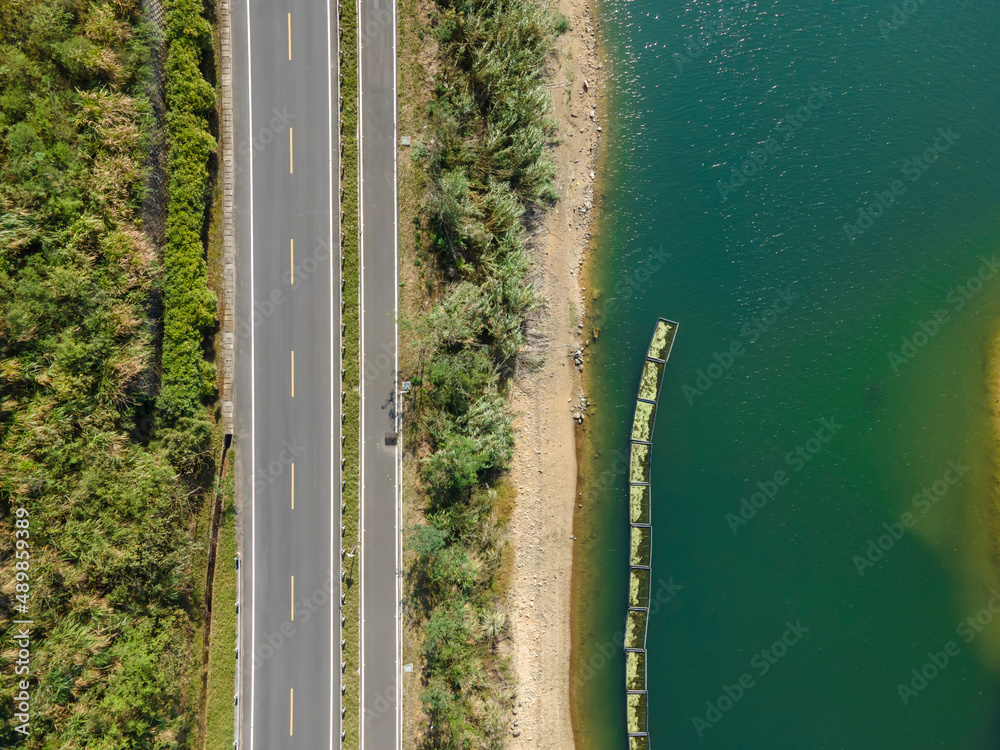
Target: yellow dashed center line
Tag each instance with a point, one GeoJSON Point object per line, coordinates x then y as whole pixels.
{"type": "Point", "coordinates": [289, 36]}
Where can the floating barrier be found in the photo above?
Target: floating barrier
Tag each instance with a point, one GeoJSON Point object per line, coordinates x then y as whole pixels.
{"type": "Point", "coordinates": [641, 532]}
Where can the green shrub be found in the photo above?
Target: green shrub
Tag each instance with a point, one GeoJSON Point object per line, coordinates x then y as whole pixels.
{"type": "Point", "coordinates": [560, 23]}
{"type": "Point", "coordinates": [109, 496]}
{"type": "Point", "coordinates": [189, 306]}
{"type": "Point", "coordinates": [488, 164]}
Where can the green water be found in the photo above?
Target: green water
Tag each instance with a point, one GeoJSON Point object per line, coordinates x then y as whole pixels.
{"type": "Point", "coordinates": [676, 128]}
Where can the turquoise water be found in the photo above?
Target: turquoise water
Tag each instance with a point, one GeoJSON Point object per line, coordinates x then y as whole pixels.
{"type": "Point", "coordinates": [873, 327]}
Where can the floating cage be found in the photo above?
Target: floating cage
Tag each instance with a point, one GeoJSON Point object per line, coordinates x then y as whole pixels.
{"type": "Point", "coordinates": [642, 425]}
{"type": "Point", "coordinates": [641, 532]}
{"type": "Point", "coordinates": [638, 588]}
{"type": "Point", "coordinates": [635, 627]}
{"type": "Point", "coordinates": [635, 712]}
{"type": "Point", "coordinates": [639, 465]}
{"type": "Point", "coordinates": [649, 386]}
{"type": "Point", "coordinates": [663, 340]}
{"type": "Point", "coordinates": [635, 670]}
{"type": "Point", "coordinates": [640, 545]}
{"type": "Point", "coordinates": [638, 503]}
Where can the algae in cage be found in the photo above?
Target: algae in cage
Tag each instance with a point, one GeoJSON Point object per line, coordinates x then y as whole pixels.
{"type": "Point", "coordinates": [635, 628]}
{"type": "Point", "coordinates": [640, 545]}
{"type": "Point", "coordinates": [662, 337]}
{"type": "Point", "coordinates": [649, 386]}
{"type": "Point", "coordinates": [630, 635]}
{"type": "Point", "coordinates": [639, 469]}
{"type": "Point", "coordinates": [635, 670]}
{"type": "Point", "coordinates": [636, 712]}
{"type": "Point", "coordinates": [639, 504]}
{"type": "Point", "coordinates": [638, 743]}
{"type": "Point", "coordinates": [642, 427]}
{"type": "Point", "coordinates": [638, 590]}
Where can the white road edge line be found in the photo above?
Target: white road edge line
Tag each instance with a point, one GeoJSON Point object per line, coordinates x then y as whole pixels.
{"type": "Point", "coordinates": [399, 404]}
{"type": "Point", "coordinates": [253, 404]}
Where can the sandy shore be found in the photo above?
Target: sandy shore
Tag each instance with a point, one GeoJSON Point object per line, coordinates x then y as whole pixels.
{"type": "Point", "coordinates": [546, 402]}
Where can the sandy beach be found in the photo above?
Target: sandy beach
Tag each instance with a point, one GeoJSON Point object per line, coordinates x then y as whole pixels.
{"type": "Point", "coordinates": [549, 400]}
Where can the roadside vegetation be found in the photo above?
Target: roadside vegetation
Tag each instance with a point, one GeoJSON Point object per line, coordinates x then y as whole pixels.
{"type": "Point", "coordinates": [351, 404]}
{"type": "Point", "coordinates": [485, 159]}
{"type": "Point", "coordinates": [105, 427]}
{"type": "Point", "coordinates": [188, 304]}
{"type": "Point", "coordinates": [221, 663]}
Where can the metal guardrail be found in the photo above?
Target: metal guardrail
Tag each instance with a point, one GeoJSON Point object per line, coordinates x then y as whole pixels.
{"type": "Point", "coordinates": [641, 532]}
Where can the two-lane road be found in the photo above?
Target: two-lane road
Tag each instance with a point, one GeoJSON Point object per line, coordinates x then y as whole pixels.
{"type": "Point", "coordinates": [288, 393]}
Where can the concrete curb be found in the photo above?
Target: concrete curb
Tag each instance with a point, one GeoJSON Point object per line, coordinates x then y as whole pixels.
{"type": "Point", "coordinates": [229, 307]}
{"type": "Point", "coordinates": [228, 224]}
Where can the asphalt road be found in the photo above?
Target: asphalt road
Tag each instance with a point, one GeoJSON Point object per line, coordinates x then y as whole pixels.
{"type": "Point", "coordinates": [287, 387]}
{"type": "Point", "coordinates": [380, 505]}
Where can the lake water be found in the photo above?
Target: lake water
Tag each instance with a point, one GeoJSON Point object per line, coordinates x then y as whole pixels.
{"type": "Point", "coordinates": [812, 189]}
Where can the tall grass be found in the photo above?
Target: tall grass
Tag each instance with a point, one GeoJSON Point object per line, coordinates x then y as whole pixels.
{"type": "Point", "coordinates": [489, 168]}
{"type": "Point", "coordinates": [109, 492]}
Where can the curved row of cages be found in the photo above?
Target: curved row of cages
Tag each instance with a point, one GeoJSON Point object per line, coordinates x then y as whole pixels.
{"type": "Point", "coordinates": [640, 532]}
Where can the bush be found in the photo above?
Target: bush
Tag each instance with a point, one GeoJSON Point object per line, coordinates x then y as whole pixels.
{"type": "Point", "coordinates": [189, 306]}
{"type": "Point", "coordinates": [109, 509]}
{"type": "Point", "coordinates": [488, 164]}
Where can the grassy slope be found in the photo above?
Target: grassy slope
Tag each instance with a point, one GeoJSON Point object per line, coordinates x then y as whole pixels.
{"type": "Point", "coordinates": [112, 489]}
